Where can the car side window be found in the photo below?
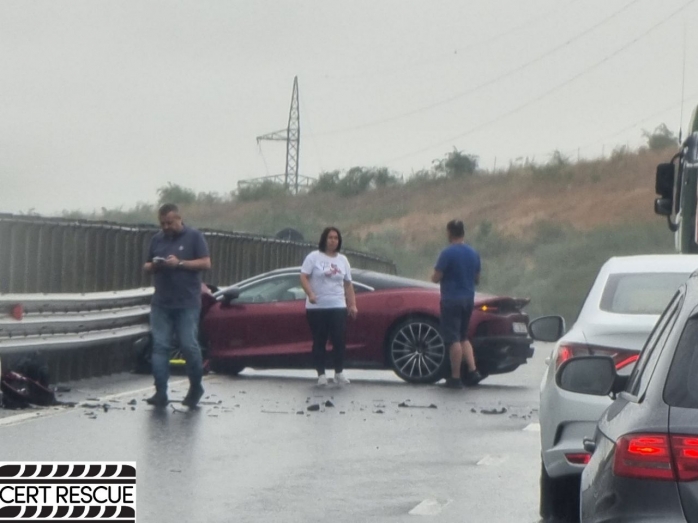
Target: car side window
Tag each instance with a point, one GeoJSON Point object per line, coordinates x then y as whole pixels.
{"type": "Point", "coordinates": [681, 387]}
{"type": "Point", "coordinates": [639, 379]}
{"type": "Point", "coordinates": [280, 288]}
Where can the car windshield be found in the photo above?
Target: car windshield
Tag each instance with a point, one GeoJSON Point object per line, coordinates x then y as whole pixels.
{"type": "Point", "coordinates": [640, 293]}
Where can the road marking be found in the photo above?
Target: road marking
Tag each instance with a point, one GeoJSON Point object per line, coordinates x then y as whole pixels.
{"type": "Point", "coordinates": [58, 409]}
{"type": "Point", "coordinates": [429, 507]}
{"type": "Point", "coordinates": [532, 427]}
{"type": "Point", "coordinates": [18, 418]}
{"type": "Point", "coordinates": [493, 460]}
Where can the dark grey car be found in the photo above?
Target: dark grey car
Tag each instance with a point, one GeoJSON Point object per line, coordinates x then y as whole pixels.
{"type": "Point", "coordinates": [644, 465]}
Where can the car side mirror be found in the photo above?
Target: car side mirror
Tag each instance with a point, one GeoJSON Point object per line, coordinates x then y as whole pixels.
{"type": "Point", "coordinates": [230, 294]}
{"type": "Point", "coordinates": [592, 375]}
{"type": "Point", "coordinates": [664, 181]}
{"type": "Point", "coordinates": [547, 328]}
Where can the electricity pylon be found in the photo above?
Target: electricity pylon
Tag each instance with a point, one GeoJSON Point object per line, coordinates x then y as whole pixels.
{"type": "Point", "coordinates": [292, 136]}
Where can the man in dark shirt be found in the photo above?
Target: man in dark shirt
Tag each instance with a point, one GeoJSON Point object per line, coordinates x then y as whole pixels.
{"type": "Point", "coordinates": [176, 257]}
{"type": "Point", "coordinates": [458, 271]}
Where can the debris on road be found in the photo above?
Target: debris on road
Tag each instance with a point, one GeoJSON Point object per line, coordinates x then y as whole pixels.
{"type": "Point", "coordinates": [493, 411]}
{"type": "Point", "coordinates": [328, 403]}
{"type": "Point", "coordinates": [406, 405]}
{"type": "Point", "coordinates": [314, 407]}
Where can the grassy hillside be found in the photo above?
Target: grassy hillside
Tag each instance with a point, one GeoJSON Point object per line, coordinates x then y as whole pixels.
{"type": "Point", "coordinates": [542, 230]}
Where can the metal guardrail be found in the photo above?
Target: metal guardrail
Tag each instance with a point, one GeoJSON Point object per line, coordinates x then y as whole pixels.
{"type": "Point", "coordinates": [86, 324]}
{"type": "Point", "coordinates": [46, 322]}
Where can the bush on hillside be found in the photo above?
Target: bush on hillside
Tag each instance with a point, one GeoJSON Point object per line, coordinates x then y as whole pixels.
{"type": "Point", "coordinates": [456, 165]}
{"type": "Point", "coordinates": [660, 138]}
{"type": "Point", "coordinates": [326, 182]}
{"type": "Point", "coordinates": [263, 191]}
{"type": "Point", "coordinates": [174, 193]}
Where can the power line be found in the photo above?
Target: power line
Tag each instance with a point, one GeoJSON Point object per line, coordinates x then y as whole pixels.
{"type": "Point", "coordinates": [683, 79]}
{"type": "Point", "coordinates": [264, 160]}
{"type": "Point", "coordinates": [473, 45]}
{"type": "Point", "coordinates": [572, 150]}
{"type": "Point", "coordinates": [487, 83]}
{"type": "Point", "coordinates": [643, 120]}
{"type": "Point", "coordinates": [549, 91]}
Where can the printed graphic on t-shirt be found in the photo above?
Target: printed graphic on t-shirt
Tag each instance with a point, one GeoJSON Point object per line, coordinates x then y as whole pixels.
{"type": "Point", "coordinates": [332, 270]}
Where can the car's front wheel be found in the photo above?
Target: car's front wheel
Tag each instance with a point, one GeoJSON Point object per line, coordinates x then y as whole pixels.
{"type": "Point", "coordinates": [559, 497]}
{"type": "Point", "coordinates": [416, 351]}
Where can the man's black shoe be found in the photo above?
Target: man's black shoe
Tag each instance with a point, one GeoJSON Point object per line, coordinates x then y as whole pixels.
{"type": "Point", "coordinates": [453, 383]}
{"type": "Point", "coordinates": [192, 398]}
{"type": "Point", "coordinates": [472, 378]}
{"type": "Point", "coordinates": [158, 400]}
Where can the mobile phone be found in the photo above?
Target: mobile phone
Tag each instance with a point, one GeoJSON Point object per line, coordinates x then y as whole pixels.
{"type": "Point", "coordinates": [158, 259]}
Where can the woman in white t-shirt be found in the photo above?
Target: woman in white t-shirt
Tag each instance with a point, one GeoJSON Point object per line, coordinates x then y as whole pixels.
{"type": "Point", "coordinates": [326, 280]}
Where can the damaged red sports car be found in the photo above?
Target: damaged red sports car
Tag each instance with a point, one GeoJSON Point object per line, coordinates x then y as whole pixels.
{"type": "Point", "coordinates": [260, 322]}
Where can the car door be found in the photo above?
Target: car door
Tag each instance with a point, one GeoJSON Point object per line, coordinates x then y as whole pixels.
{"type": "Point", "coordinates": [359, 329]}
{"type": "Point", "coordinates": [267, 319]}
{"type": "Point", "coordinates": [681, 394]}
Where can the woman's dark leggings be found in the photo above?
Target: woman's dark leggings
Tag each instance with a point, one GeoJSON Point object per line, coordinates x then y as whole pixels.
{"type": "Point", "coordinates": [332, 324]}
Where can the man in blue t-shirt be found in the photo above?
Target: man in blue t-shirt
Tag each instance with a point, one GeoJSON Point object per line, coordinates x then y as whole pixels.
{"type": "Point", "coordinates": [176, 257]}
{"type": "Point", "coordinates": [458, 271]}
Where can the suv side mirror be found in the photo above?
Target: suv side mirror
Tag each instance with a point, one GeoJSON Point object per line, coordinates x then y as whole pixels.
{"type": "Point", "coordinates": [592, 375]}
{"type": "Point", "coordinates": [547, 328]}
{"type": "Point", "coordinates": [664, 182]}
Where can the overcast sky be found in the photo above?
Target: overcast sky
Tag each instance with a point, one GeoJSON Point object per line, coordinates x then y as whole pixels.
{"type": "Point", "coordinates": [102, 102]}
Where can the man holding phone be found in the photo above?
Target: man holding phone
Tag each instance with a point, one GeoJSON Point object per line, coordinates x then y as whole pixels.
{"type": "Point", "coordinates": [176, 257]}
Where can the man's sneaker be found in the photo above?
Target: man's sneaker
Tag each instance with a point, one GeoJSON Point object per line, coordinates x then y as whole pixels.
{"type": "Point", "coordinates": [322, 380]}
{"type": "Point", "coordinates": [453, 383]}
{"type": "Point", "coordinates": [472, 378]}
{"type": "Point", "coordinates": [192, 398]}
{"type": "Point", "coordinates": [341, 379]}
{"type": "Point", "coordinates": [158, 400]}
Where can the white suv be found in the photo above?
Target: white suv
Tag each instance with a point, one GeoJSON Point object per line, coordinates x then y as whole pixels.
{"type": "Point", "coordinates": [619, 312]}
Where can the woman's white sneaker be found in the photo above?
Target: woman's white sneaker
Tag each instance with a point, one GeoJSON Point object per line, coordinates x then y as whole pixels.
{"type": "Point", "coordinates": [321, 380]}
{"type": "Point", "coordinates": [341, 379]}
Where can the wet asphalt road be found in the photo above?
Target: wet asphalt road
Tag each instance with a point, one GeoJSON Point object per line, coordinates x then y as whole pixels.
{"type": "Point", "coordinates": [253, 452]}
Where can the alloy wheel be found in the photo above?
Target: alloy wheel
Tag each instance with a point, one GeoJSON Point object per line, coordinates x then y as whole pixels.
{"type": "Point", "coordinates": [417, 351]}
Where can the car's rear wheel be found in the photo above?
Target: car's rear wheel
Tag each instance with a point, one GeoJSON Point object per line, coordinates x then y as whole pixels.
{"type": "Point", "coordinates": [416, 351]}
{"type": "Point", "coordinates": [559, 497]}
{"type": "Point", "coordinates": [231, 368]}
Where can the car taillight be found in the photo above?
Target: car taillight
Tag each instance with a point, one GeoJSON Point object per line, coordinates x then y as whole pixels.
{"type": "Point", "coordinates": [685, 451]}
{"type": "Point", "coordinates": [644, 456]}
{"type": "Point", "coordinates": [657, 456]}
{"type": "Point", "coordinates": [621, 357]}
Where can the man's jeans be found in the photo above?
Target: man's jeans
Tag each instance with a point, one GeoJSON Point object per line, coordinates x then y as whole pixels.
{"type": "Point", "coordinates": [164, 324]}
